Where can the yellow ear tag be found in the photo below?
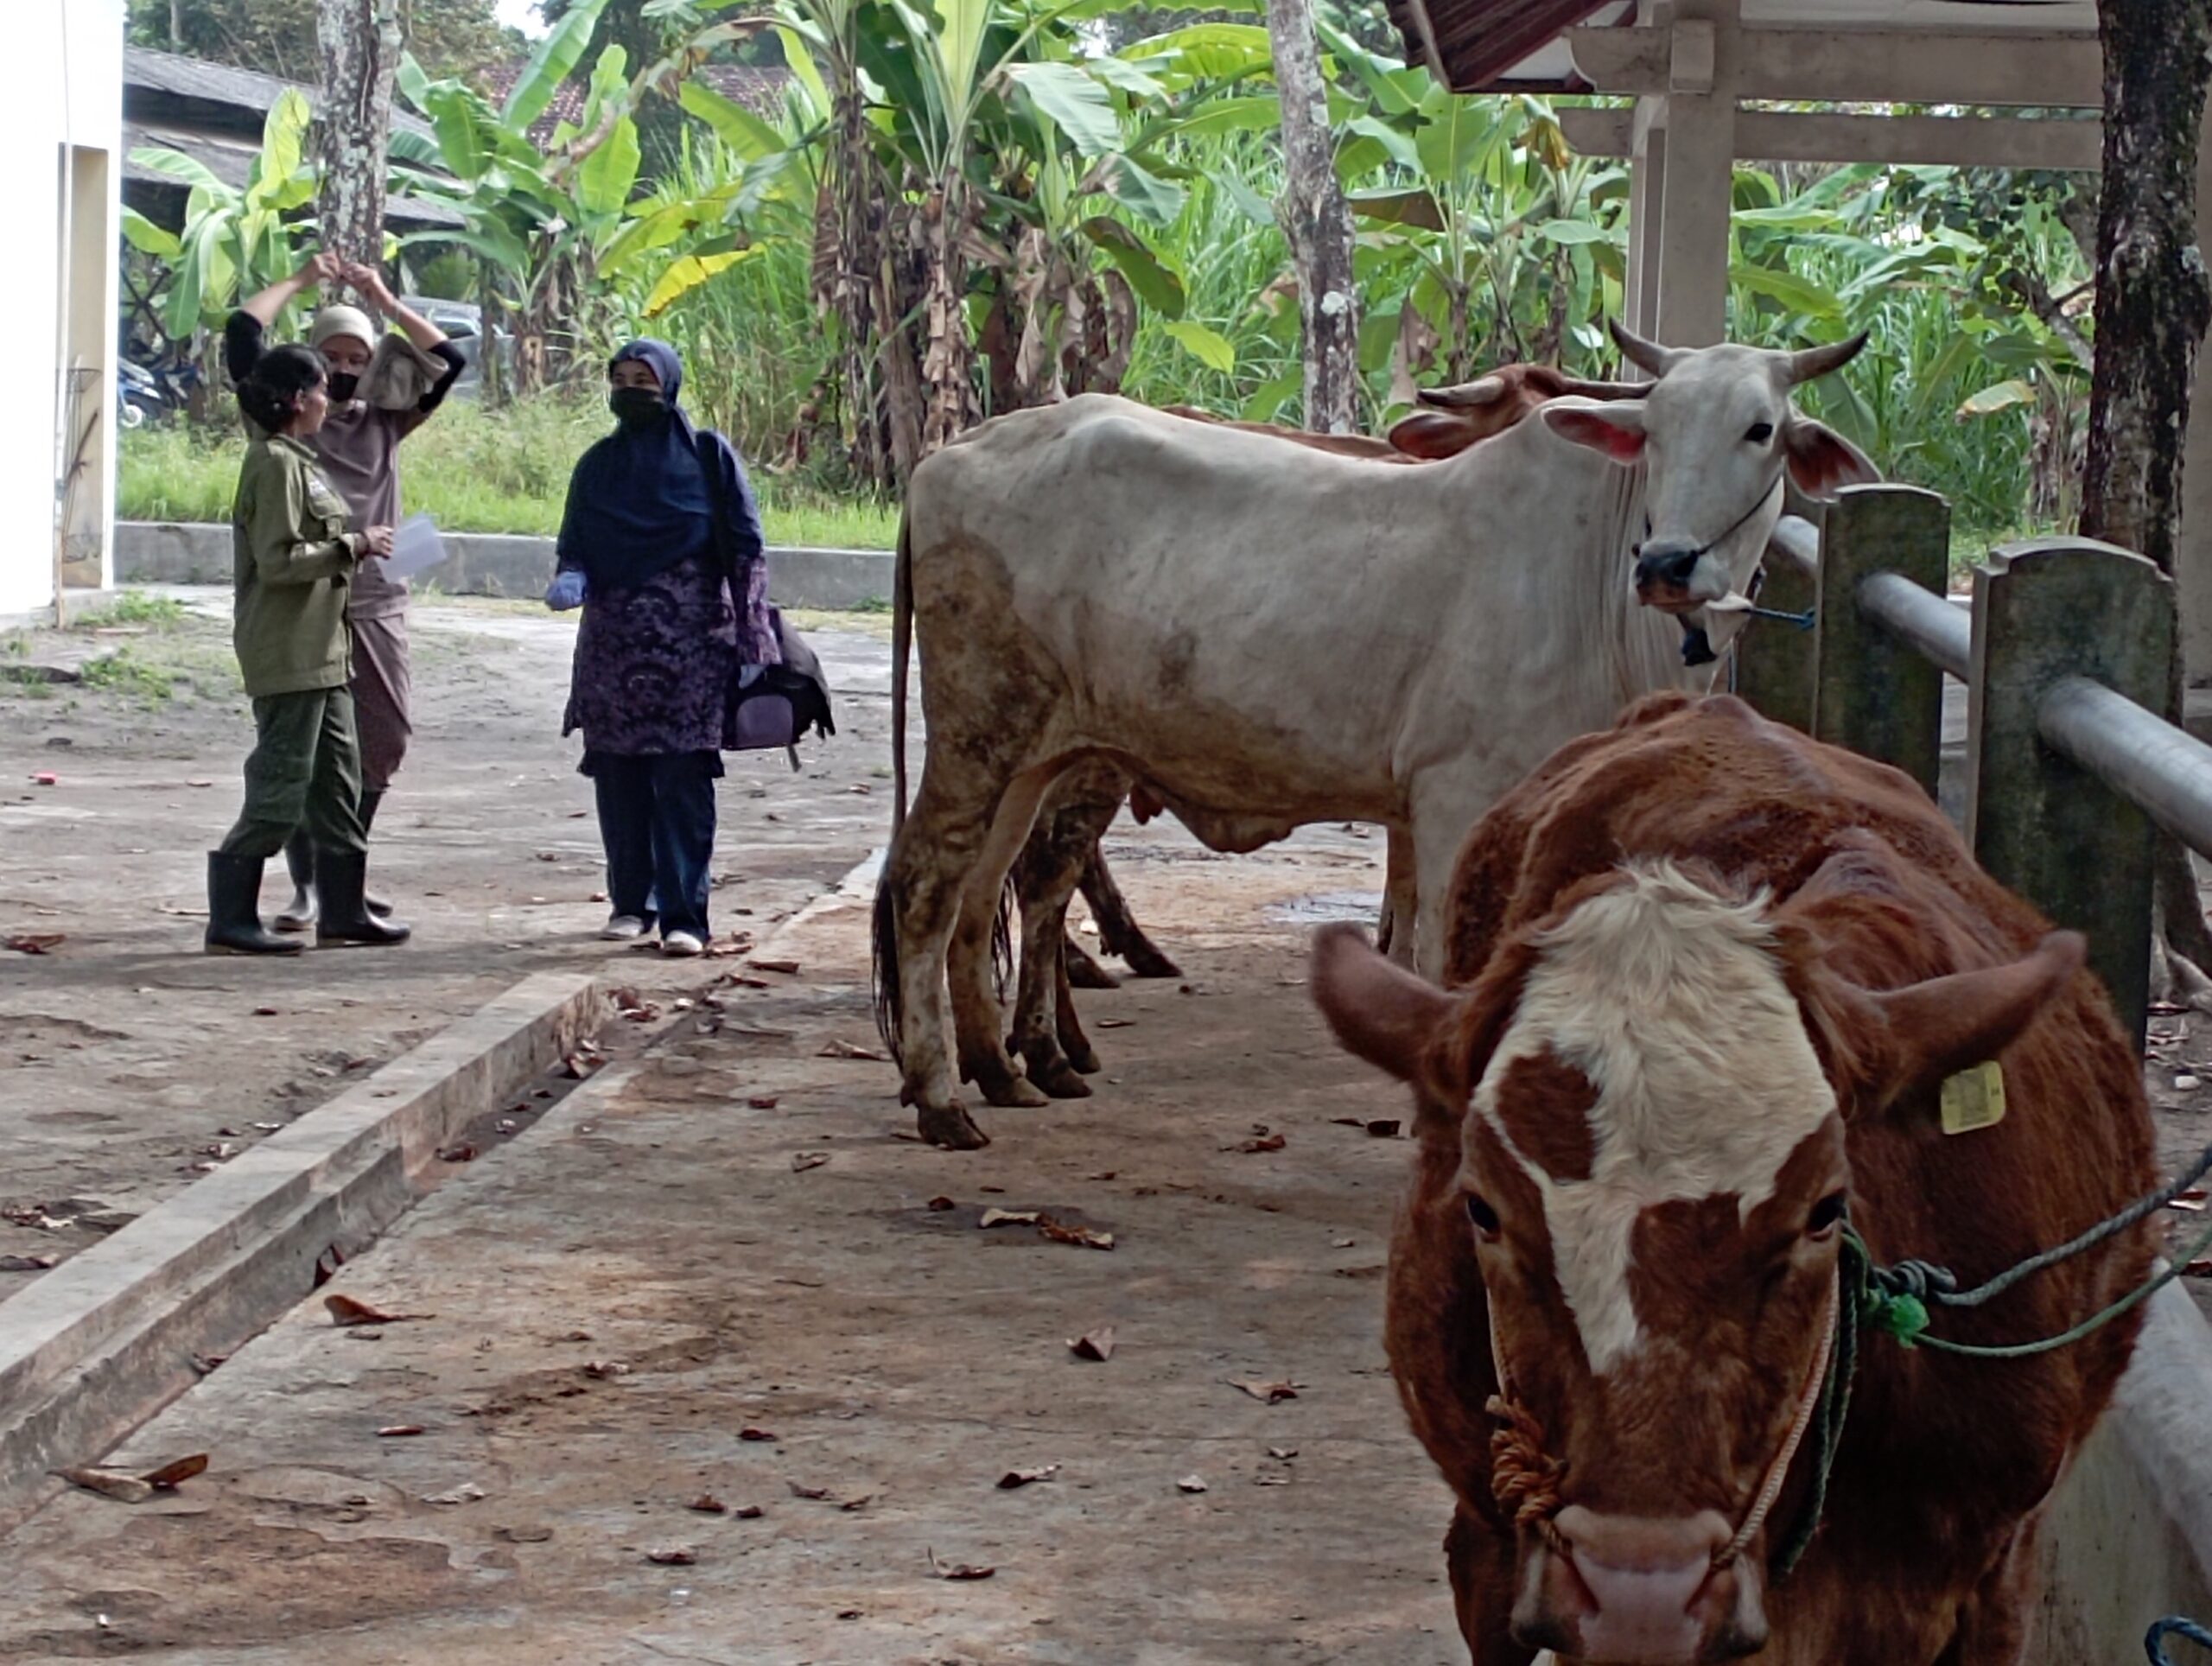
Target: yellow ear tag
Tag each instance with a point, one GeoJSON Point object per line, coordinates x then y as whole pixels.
{"type": "Point", "coordinates": [1975, 1099]}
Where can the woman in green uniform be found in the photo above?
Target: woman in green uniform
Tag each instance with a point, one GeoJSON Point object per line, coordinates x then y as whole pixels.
{"type": "Point", "coordinates": [292, 560]}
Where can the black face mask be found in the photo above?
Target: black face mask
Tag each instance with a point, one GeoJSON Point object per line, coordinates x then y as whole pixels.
{"type": "Point", "coordinates": [637, 407]}
{"type": "Point", "coordinates": [343, 386]}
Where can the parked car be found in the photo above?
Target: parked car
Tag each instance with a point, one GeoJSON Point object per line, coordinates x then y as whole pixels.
{"type": "Point", "coordinates": [463, 323]}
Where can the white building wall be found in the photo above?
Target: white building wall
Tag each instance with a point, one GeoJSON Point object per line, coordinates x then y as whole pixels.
{"type": "Point", "coordinates": [60, 159]}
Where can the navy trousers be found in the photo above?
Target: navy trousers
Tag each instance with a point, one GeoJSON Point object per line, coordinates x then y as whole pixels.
{"type": "Point", "coordinates": [657, 819]}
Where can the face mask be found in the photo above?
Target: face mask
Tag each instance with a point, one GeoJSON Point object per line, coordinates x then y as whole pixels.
{"type": "Point", "coordinates": [343, 387]}
{"type": "Point", "coordinates": [634, 407]}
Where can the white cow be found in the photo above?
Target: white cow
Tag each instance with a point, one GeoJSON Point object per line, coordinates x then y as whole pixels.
{"type": "Point", "coordinates": [1269, 636]}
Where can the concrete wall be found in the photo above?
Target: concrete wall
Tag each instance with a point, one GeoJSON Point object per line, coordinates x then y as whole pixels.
{"type": "Point", "coordinates": [61, 130]}
{"type": "Point", "coordinates": [2130, 1536]}
{"type": "Point", "coordinates": [161, 552]}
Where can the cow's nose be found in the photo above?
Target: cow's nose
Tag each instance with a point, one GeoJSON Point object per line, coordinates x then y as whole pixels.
{"type": "Point", "coordinates": [1670, 564]}
{"type": "Point", "coordinates": [1645, 1591]}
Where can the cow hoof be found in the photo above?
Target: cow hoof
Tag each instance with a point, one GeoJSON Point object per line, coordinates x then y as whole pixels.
{"type": "Point", "coordinates": [1060, 1081]}
{"type": "Point", "coordinates": [950, 1129]}
{"type": "Point", "coordinates": [1088, 974]}
{"type": "Point", "coordinates": [1150, 962]}
{"type": "Point", "coordinates": [1084, 1061]}
{"type": "Point", "coordinates": [1002, 1086]}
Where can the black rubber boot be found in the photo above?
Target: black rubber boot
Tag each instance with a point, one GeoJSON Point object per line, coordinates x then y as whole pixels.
{"type": "Point", "coordinates": [234, 909]}
{"type": "Point", "coordinates": [376, 906]}
{"type": "Point", "coordinates": [299, 860]}
{"type": "Point", "coordinates": [345, 919]}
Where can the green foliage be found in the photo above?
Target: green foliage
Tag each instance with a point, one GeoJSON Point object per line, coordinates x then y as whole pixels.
{"type": "Point", "coordinates": [277, 37]}
{"type": "Point", "coordinates": [474, 471]}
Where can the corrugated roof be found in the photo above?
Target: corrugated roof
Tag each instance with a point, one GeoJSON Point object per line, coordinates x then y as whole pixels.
{"type": "Point", "coordinates": [247, 92]}
{"type": "Point", "coordinates": [1473, 43]}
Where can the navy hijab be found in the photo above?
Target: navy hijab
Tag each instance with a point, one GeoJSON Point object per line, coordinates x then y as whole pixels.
{"type": "Point", "coordinates": [640, 501]}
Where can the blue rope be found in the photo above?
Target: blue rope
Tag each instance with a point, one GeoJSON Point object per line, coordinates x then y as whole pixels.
{"type": "Point", "coordinates": [2173, 1625]}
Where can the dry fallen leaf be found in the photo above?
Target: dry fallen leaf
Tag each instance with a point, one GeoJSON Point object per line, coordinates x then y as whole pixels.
{"type": "Point", "coordinates": [1117, 1023]}
{"type": "Point", "coordinates": [2201, 1267]}
{"type": "Point", "coordinates": [801, 1161]}
{"type": "Point", "coordinates": [345, 1310]}
{"type": "Point", "coordinates": [605, 1369]}
{"type": "Point", "coordinates": [787, 968]}
{"type": "Point", "coordinates": [1017, 1478]}
{"type": "Point", "coordinates": [523, 1534]}
{"type": "Point", "coordinates": [672, 1555]}
{"type": "Point", "coordinates": [467, 1493]}
{"type": "Point", "coordinates": [958, 1570]}
{"type": "Point", "coordinates": [847, 1050]}
{"type": "Point", "coordinates": [109, 1484]}
{"type": "Point", "coordinates": [1060, 1232]}
{"type": "Point", "coordinates": [37, 943]}
{"type": "Point", "coordinates": [1384, 1128]}
{"type": "Point", "coordinates": [817, 1493]}
{"type": "Point", "coordinates": [1010, 1217]}
{"type": "Point", "coordinates": [748, 1513]}
{"type": "Point", "coordinates": [25, 1263]}
{"type": "Point", "coordinates": [172, 1475]}
{"type": "Point", "coordinates": [706, 1504]}
{"type": "Point", "coordinates": [398, 1431]}
{"type": "Point", "coordinates": [1191, 1484]}
{"type": "Point", "coordinates": [1266, 1393]}
{"type": "Point", "coordinates": [1272, 1143]}
{"type": "Point", "coordinates": [458, 1154]}
{"type": "Point", "coordinates": [1097, 1344]}
{"type": "Point", "coordinates": [763, 1101]}
{"type": "Point", "coordinates": [852, 1506]}
{"type": "Point", "coordinates": [749, 1432]}
{"type": "Point", "coordinates": [1282, 1455]}
{"type": "Point", "coordinates": [938, 1206]}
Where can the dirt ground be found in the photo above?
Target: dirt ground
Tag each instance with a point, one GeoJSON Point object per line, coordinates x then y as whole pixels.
{"type": "Point", "coordinates": [128, 1059]}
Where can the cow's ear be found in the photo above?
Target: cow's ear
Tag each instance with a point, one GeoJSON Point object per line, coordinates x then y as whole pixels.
{"type": "Point", "coordinates": [1433, 435]}
{"type": "Point", "coordinates": [1946, 1025]}
{"type": "Point", "coordinates": [1822, 460]}
{"type": "Point", "coordinates": [1378, 1011]}
{"type": "Point", "coordinates": [1616, 428]}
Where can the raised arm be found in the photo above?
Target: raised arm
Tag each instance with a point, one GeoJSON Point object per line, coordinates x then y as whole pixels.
{"type": "Point", "coordinates": [242, 336]}
{"type": "Point", "coordinates": [419, 330]}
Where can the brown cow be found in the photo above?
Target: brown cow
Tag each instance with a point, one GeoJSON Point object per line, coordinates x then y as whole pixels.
{"type": "Point", "coordinates": [1708, 978]}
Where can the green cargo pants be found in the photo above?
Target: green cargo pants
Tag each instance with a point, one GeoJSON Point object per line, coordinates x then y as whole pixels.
{"type": "Point", "coordinates": [305, 771]}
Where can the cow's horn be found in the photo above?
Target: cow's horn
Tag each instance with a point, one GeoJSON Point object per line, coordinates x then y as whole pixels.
{"type": "Point", "coordinates": [1648, 355]}
{"type": "Point", "coordinates": [1584, 389]}
{"type": "Point", "coordinates": [1819, 361]}
{"type": "Point", "coordinates": [1483, 390]}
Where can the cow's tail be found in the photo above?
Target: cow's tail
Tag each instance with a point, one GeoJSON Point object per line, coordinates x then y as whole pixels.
{"type": "Point", "coordinates": [883, 970]}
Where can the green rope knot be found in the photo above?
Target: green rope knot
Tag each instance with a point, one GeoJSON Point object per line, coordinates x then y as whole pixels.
{"type": "Point", "coordinates": [1903, 1317]}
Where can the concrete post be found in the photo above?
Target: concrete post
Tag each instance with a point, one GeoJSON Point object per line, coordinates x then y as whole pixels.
{"type": "Point", "coordinates": [1647, 192]}
{"type": "Point", "coordinates": [1700, 181]}
{"type": "Point", "coordinates": [1877, 695]}
{"type": "Point", "coordinates": [2044, 612]}
{"type": "Point", "coordinates": [1777, 664]}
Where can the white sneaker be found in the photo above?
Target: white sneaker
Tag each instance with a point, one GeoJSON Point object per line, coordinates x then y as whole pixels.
{"type": "Point", "coordinates": [683, 946]}
{"type": "Point", "coordinates": [622, 928]}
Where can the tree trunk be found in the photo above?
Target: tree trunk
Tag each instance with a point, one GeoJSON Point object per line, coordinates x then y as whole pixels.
{"type": "Point", "coordinates": [1317, 222]}
{"type": "Point", "coordinates": [361, 45]}
{"type": "Point", "coordinates": [2153, 304]}
{"type": "Point", "coordinates": [176, 25]}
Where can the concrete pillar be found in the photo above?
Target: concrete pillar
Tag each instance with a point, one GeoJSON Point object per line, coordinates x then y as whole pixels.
{"type": "Point", "coordinates": [1647, 191]}
{"type": "Point", "coordinates": [1692, 305]}
{"type": "Point", "coordinates": [2193, 555]}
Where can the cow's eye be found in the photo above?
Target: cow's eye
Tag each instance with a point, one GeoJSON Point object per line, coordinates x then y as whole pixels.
{"type": "Point", "coordinates": [1759, 433]}
{"type": "Point", "coordinates": [1481, 1217]}
{"type": "Point", "coordinates": [1827, 1217]}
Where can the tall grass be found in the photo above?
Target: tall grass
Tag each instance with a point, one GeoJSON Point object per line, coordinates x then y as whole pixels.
{"type": "Point", "coordinates": [472, 471]}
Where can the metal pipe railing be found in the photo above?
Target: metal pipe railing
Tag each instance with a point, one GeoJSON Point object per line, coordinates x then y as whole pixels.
{"type": "Point", "coordinates": [1798, 541]}
{"type": "Point", "coordinates": [1919, 618]}
{"type": "Point", "coordinates": [2165, 772]}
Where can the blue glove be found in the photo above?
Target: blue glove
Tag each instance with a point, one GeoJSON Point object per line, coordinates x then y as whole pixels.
{"type": "Point", "coordinates": [566, 591]}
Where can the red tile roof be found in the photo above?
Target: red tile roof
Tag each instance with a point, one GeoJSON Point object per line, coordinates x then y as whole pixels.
{"type": "Point", "coordinates": [1479, 39]}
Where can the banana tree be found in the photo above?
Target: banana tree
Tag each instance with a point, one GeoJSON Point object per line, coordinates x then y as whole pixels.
{"type": "Point", "coordinates": [235, 240]}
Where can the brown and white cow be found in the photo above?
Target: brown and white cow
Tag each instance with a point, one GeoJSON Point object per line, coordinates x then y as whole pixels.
{"type": "Point", "coordinates": [1268, 636]}
{"type": "Point", "coordinates": [1707, 977]}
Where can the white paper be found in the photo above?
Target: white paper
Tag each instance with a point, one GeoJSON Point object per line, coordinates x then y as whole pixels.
{"type": "Point", "coordinates": [415, 546]}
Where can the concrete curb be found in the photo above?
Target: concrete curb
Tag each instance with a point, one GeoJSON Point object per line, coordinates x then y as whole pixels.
{"type": "Point", "coordinates": [103, 1341]}
{"type": "Point", "coordinates": [482, 563]}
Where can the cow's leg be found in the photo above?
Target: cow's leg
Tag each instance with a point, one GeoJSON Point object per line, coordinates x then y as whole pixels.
{"type": "Point", "coordinates": [917, 901]}
{"type": "Point", "coordinates": [1993, 1622]}
{"type": "Point", "coordinates": [977, 1023]}
{"type": "Point", "coordinates": [1044, 879]}
{"type": "Point", "coordinates": [1082, 1056]}
{"type": "Point", "coordinates": [1078, 968]}
{"type": "Point", "coordinates": [1118, 931]}
{"type": "Point", "coordinates": [1400, 902]}
{"type": "Point", "coordinates": [1481, 1564]}
{"type": "Point", "coordinates": [1436, 838]}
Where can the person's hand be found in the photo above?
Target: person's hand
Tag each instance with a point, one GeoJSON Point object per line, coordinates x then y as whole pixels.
{"type": "Point", "coordinates": [321, 267]}
{"type": "Point", "coordinates": [566, 591]}
{"type": "Point", "coordinates": [377, 542]}
{"type": "Point", "coordinates": [370, 282]}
